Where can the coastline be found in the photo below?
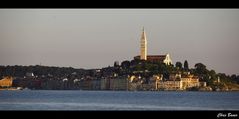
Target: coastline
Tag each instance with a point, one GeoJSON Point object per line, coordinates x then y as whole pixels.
{"type": "Point", "coordinates": [19, 88]}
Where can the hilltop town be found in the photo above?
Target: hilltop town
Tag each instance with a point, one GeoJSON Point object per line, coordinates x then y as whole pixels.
{"type": "Point", "coordinates": [129, 75]}
{"type": "Point", "coordinates": [143, 72]}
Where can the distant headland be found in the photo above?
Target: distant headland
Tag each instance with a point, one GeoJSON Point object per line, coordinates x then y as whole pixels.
{"type": "Point", "coordinates": [144, 72]}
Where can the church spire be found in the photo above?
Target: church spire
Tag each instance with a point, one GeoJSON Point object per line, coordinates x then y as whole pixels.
{"type": "Point", "coordinates": [143, 46]}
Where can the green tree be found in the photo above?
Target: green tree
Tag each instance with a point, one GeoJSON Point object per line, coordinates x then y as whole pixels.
{"type": "Point", "coordinates": [235, 78]}
{"type": "Point", "coordinates": [134, 62]}
{"type": "Point", "coordinates": [179, 65]}
{"type": "Point", "coordinates": [200, 68]}
{"type": "Point", "coordinates": [204, 74]}
{"type": "Point", "coordinates": [138, 68]}
{"type": "Point", "coordinates": [224, 78]}
{"type": "Point", "coordinates": [116, 63]}
{"type": "Point", "coordinates": [185, 65]}
{"type": "Point", "coordinates": [125, 64]}
{"type": "Point", "coordinates": [213, 75]}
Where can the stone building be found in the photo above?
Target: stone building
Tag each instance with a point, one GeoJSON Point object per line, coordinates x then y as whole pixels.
{"type": "Point", "coordinates": [6, 82]}
{"type": "Point", "coordinates": [153, 58]}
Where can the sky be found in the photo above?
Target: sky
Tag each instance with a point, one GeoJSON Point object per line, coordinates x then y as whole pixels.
{"type": "Point", "coordinates": [95, 38]}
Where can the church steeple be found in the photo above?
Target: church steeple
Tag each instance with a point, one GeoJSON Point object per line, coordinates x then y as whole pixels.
{"type": "Point", "coordinates": [143, 46]}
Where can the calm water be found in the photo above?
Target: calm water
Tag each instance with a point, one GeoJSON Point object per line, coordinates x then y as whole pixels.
{"type": "Point", "coordinates": [117, 100]}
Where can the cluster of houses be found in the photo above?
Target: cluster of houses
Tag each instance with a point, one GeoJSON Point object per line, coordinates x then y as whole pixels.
{"type": "Point", "coordinates": [176, 81]}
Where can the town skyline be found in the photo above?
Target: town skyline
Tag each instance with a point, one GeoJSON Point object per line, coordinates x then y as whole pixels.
{"type": "Point", "coordinates": [92, 38]}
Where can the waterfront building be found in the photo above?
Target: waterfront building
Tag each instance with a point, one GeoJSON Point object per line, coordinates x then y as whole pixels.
{"type": "Point", "coordinates": [114, 83]}
{"type": "Point", "coordinates": [177, 81]}
{"type": "Point", "coordinates": [6, 82]}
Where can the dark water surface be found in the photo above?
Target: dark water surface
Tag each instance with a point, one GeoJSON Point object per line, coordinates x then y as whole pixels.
{"type": "Point", "coordinates": [117, 100]}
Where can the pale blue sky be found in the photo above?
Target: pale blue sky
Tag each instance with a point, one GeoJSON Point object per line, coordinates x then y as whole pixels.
{"type": "Point", "coordinates": [95, 38]}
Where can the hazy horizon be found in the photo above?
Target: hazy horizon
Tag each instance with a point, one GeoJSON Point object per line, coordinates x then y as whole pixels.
{"type": "Point", "coordinates": [95, 38]}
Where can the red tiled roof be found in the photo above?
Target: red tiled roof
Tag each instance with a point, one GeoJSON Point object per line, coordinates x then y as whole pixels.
{"type": "Point", "coordinates": [153, 57]}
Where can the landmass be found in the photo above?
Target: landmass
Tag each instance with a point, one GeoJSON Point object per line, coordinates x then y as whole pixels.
{"type": "Point", "coordinates": [134, 75]}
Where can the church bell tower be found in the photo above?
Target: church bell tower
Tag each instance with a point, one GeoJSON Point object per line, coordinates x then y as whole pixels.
{"type": "Point", "coordinates": [143, 46]}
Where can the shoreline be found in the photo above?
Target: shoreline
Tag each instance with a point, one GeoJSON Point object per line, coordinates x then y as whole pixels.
{"type": "Point", "coordinates": [14, 89]}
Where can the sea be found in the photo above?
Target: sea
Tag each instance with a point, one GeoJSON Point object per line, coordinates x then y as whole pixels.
{"type": "Point", "coordinates": [117, 100]}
